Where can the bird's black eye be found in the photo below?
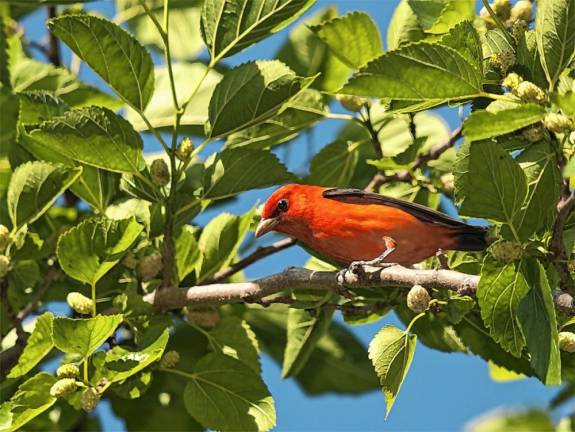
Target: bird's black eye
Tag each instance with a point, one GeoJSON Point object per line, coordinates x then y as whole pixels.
{"type": "Point", "coordinates": [283, 205]}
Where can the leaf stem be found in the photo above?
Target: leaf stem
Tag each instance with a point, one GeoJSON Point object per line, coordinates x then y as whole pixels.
{"type": "Point", "coordinates": [94, 310]}
{"type": "Point", "coordinates": [412, 322]}
{"type": "Point", "coordinates": [179, 372]}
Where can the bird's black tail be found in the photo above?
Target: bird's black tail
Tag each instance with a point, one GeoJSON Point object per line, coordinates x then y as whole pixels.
{"type": "Point", "coordinates": [470, 238]}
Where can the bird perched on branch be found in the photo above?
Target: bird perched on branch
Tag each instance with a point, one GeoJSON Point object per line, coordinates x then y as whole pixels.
{"type": "Point", "coordinates": [354, 227]}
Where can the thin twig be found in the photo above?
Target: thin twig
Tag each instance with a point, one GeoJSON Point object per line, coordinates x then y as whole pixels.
{"type": "Point", "coordinates": [53, 50]}
{"type": "Point", "coordinates": [39, 294]}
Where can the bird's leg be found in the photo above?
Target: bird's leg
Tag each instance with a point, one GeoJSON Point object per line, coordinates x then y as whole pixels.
{"type": "Point", "coordinates": [357, 266]}
{"type": "Point", "coordinates": [442, 259]}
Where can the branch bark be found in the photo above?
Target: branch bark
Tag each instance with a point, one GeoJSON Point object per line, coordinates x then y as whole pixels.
{"type": "Point", "coordinates": [298, 278]}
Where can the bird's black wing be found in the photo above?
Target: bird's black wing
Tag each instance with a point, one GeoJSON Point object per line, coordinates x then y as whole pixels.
{"type": "Point", "coordinates": [358, 196]}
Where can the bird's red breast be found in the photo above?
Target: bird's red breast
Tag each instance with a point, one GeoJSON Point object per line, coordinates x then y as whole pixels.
{"type": "Point", "coordinates": [346, 230]}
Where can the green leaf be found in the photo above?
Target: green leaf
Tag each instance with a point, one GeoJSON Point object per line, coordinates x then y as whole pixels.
{"type": "Point", "coordinates": [536, 314]}
{"type": "Point", "coordinates": [303, 333]}
{"type": "Point", "coordinates": [220, 241]}
{"type": "Point", "coordinates": [334, 165]}
{"type": "Point", "coordinates": [505, 421]}
{"type": "Point", "coordinates": [160, 109]}
{"type": "Point", "coordinates": [495, 42]}
{"type": "Point", "coordinates": [4, 56]}
{"type": "Point", "coordinates": [121, 363]}
{"type": "Point", "coordinates": [354, 38]}
{"type": "Point", "coordinates": [224, 394]}
{"type": "Point", "coordinates": [187, 251]}
{"type": "Point", "coordinates": [34, 187]}
{"type": "Point", "coordinates": [483, 124]}
{"type": "Point", "coordinates": [232, 171]}
{"type": "Point", "coordinates": [229, 26]}
{"type": "Point", "coordinates": [184, 26]}
{"type": "Point", "coordinates": [89, 250]}
{"type": "Point", "coordinates": [391, 352]}
{"type": "Point", "coordinates": [30, 400]}
{"type": "Point", "coordinates": [528, 60]}
{"type": "Point", "coordinates": [555, 35]}
{"type": "Point", "coordinates": [39, 105]}
{"type": "Point", "coordinates": [83, 336]}
{"type": "Point", "coordinates": [485, 165]}
{"type": "Point", "coordinates": [38, 345]}
{"type": "Point", "coordinates": [464, 39]}
{"type": "Point", "coordinates": [500, 290]}
{"type": "Point", "coordinates": [250, 94]}
{"type": "Point", "coordinates": [477, 339]}
{"type": "Point", "coordinates": [304, 110]}
{"type": "Point", "coordinates": [111, 52]}
{"type": "Point", "coordinates": [539, 164]}
{"type": "Point", "coordinates": [418, 72]}
{"type": "Point", "coordinates": [8, 121]}
{"type": "Point", "coordinates": [404, 27]}
{"type": "Point", "coordinates": [307, 55]}
{"type": "Point", "coordinates": [235, 338]}
{"type": "Point", "coordinates": [438, 16]}
{"type": "Point", "coordinates": [95, 136]}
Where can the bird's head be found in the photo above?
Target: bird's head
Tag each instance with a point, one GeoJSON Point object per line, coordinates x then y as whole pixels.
{"type": "Point", "coordinates": [286, 208]}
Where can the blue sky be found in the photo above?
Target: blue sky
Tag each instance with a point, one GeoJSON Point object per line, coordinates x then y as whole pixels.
{"type": "Point", "coordinates": [442, 391]}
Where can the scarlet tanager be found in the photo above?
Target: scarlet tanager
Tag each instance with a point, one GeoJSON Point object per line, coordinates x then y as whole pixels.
{"type": "Point", "coordinates": [353, 226]}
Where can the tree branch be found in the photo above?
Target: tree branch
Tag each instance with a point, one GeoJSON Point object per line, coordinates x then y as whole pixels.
{"type": "Point", "coordinates": [53, 49]}
{"type": "Point", "coordinates": [298, 278]}
{"type": "Point", "coordinates": [256, 255]}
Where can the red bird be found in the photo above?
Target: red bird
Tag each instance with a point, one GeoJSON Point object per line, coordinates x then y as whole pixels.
{"type": "Point", "coordinates": [353, 226]}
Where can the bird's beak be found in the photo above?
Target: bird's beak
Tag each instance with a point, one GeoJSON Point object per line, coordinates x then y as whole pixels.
{"type": "Point", "coordinates": [266, 225]}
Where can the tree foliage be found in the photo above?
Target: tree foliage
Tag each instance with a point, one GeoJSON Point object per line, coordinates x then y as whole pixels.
{"type": "Point", "coordinates": [91, 217]}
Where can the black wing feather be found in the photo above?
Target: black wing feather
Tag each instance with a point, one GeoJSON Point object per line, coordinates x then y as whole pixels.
{"type": "Point", "coordinates": [358, 196]}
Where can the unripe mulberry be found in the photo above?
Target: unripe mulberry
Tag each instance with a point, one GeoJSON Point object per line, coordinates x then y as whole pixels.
{"type": "Point", "coordinates": [160, 172]}
{"type": "Point", "coordinates": [4, 265]}
{"type": "Point", "coordinates": [529, 92]}
{"type": "Point", "coordinates": [80, 303]}
{"type": "Point", "coordinates": [556, 122]}
{"type": "Point", "coordinates": [170, 359]}
{"type": "Point", "coordinates": [351, 103]}
{"type": "Point", "coordinates": [533, 133]}
{"type": "Point", "coordinates": [4, 238]}
{"type": "Point", "coordinates": [506, 251]}
{"type": "Point", "coordinates": [448, 181]}
{"type": "Point", "coordinates": [502, 9]}
{"type": "Point", "coordinates": [522, 11]}
{"type": "Point", "coordinates": [130, 261]}
{"type": "Point", "coordinates": [512, 81]}
{"type": "Point", "coordinates": [567, 341]}
{"type": "Point", "coordinates": [63, 387]}
{"type": "Point", "coordinates": [184, 150]}
{"type": "Point", "coordinates": [503, 61]}
{"type": "Point", "coordinates": [68, 371]}
{"type": "Point", "coordinates": [418, 299]}
{"type": "Point", "coordinates": [149, 266]}
{"type": "Point", "coordinates": [90, 399]}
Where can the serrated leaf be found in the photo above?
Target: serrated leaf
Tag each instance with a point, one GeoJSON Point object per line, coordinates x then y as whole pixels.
{"type": "Point", "coordinates": [187, 251]}
{"type": "Point", "coordinates": [232, 171]}
{"type": "Point", "coordinates": [536, 314]}
{"type": "Point", "coordinates": [555, 35]}
{"type": "Point", "coordinates": [34, 187]}
{"type": "Point", "coordinates": [495, 42]}
{"type": "Point", "coordinates": [89, 250]}
{"type": "Point", "coordinates": [404, 27]}
{"type": "Point", "coordinates": [500, 374]}
{"type": "Point", "coordinates": [121, 363]}
{"type": "Point", "coordinates": [464, 39]}
{"type": "Point", "coordinates": [4, 56]}
{"type": "Point", "coordinates": [111, 52]}
{"type": "Point", "coordinates": [484, 165]}
{"type": "Point", "coordinates": [250, 94]}
{"type": "Point", "coordinates": [229, 26]}
{"type": "Point", "coordinates": [38, 345]}
{"type": "Point", "coordinates": [483, 124]}
{"type": "Point", "coordinates": [95, 136]}
{"type": "Point", "coordinates": [39, 105]}
{"type": "Point", "coordinates": [391, 352]}
{"type": "Point", "coordinates": [539, 164]}
{"type": "Point", "coordinates": [30, 400]}
{"type": "Point", "coordinates": [160, 109]}
{"type": "Point", "coordinates": [303, 111]}
{"type": "Point", "coordinates": [354, 38]}
{"type": "Point", "coordinates": [219, 242]}
{"type": "Point", "coordinates": [235, 338]}
{"type": "Point", "coordinates": [224, 394]}
{"type": "Point", "coordinates": [334, 165]}
{"type": "Point", "coordinates": [500, 290]}
{"type": "Point", "coordinates": [83, 336]}
{"type": "Point", "coordinates": [528, 60]}
{"type": "Point", "coordinates": [303, 333]}
{"type": "Point", "coordinates": [307, 55]}
{"type": "Point", "coordinates": [417, 72]}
